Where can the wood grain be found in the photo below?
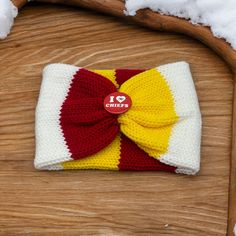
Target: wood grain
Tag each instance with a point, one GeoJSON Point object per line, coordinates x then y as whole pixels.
{"type": "Point", "coordinates": [232, 187]}
{"type": "Point", "coordinates": [158, 22]}
{"type": "Point", "coordinates": [104, 202]}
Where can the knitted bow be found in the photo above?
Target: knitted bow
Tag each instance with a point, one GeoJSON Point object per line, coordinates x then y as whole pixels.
{"type": "Point", "coordinates": [119, 119]}
{"type": "Point", "coordinates": [89, 128]}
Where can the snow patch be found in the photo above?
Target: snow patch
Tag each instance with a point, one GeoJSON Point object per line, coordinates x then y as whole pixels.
{"type": "Point", "coordinates": [7, 14]}
{"type": "Point", "coordinates": [220, 15]}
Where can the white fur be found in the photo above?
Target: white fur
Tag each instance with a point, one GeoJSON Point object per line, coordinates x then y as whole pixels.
{"type": "Point", "coordinates": [7, 14]}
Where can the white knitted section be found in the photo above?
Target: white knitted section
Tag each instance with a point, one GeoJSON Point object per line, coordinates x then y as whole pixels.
{"type": "Point", "coordinates": [184, 147]}
{"type": "Point", "coordinates": [51, 147]}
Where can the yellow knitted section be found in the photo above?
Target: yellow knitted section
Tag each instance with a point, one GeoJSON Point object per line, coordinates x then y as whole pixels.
{"type": "Point", "coordinates": [150, 120]}
{"type": "Point", "coordinates": [106, 159]}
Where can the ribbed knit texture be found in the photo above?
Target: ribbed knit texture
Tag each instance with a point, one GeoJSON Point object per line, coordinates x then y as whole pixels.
{"type": "Point", "coordinates": [134, 158]}
{"type": "Point", "coordinates": [139, 139]}
{"type": "Point", "coordinates": [86, 125]}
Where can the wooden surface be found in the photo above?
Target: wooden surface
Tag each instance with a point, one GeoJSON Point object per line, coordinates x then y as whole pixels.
{"type": "Point", "coordinates": [161, 22]}
{"type": "Point", "coordinates": [232, 187]}
{"type": "Point", "coordinates": [104, 202]}
{"type": "Point", "coordinates": [156, 21]}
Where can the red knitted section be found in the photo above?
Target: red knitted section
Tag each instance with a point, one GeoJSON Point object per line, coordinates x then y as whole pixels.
{"type": "Point", "coordinates": [124, 74]}
{"type": "Point", "coordinates": [86, 125]}
{"type": "Point", "coordinates": [134, 158]}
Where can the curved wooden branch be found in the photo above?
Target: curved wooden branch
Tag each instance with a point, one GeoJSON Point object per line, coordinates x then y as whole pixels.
{"type": "Point", "coordinates": [19, 3]}
{"type": "Point", "coordinates": [155, 21]}
{"type": "Point", "coordinates": [160, 22]}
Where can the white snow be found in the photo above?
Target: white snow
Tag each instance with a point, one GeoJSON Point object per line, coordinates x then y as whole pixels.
{"type": "Point", "coordinates": [220, 15]}
{"type": "Point", "coordinates": [7, 14]}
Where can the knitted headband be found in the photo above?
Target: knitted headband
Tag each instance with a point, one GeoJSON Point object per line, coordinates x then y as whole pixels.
{"type": "Point", "coordinates": [118, 119]}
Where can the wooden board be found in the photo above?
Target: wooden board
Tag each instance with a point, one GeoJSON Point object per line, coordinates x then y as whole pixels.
{"type": "Point", "coordinates": [105, 202]}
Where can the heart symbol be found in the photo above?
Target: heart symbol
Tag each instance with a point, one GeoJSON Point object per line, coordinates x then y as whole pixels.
{"type": "Point", "coordinates": [120, 99]}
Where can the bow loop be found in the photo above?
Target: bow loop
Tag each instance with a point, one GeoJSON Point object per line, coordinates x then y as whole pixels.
{"type": "Point", "coordinates": [150, 120]}
{"type": "Point", "coordinates": [87, 127]}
